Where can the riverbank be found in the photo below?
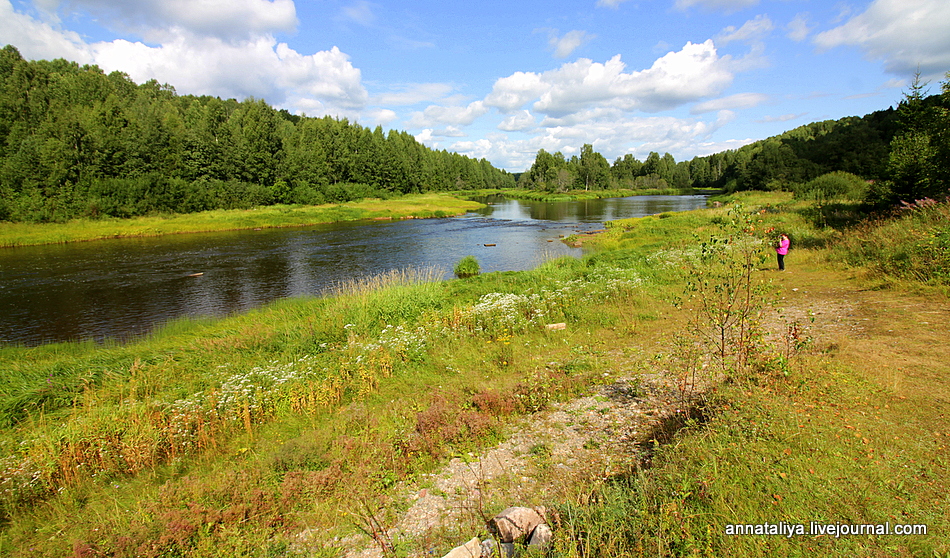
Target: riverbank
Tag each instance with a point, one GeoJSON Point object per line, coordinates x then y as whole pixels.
{"type": "Point", "coordinates": [574, 195]}
{"type": "Point", "coordinates": [415, 206]}
{"type": "Point", "coordinates": [293, 429]}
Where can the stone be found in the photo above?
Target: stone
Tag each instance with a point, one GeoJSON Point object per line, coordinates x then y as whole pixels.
{"type": "Point", "coordinates": [555, 327]}
{"type": "Point", "coordinates": [471, 549]}
{"type": "Point", "coordinates": [541, 536]}
{"type": "Point", "coordinates": [493, 549]}
{"type": "Point", "coordinates": [516, 523]}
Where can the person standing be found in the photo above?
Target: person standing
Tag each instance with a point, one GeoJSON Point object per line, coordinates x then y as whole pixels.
{"type": "Point", "coordinates": [782, 250]}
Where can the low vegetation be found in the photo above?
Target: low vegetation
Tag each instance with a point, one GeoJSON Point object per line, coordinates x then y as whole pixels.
{"type": "Point", "coordinates": [241, 435]}
{"type": "Point", "coordinates": [403, 207]}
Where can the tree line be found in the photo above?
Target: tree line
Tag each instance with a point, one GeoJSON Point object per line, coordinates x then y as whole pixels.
{"type": "Point", "coordinates": [893, 155]}
{"type": "Point", "coordinates": [77, 142]}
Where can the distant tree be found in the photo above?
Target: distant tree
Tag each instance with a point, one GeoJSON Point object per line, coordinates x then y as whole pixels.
{"type": "Point", "coordinates": [919, 162]}
{"type": "Point", "coordinates": [593, 170]}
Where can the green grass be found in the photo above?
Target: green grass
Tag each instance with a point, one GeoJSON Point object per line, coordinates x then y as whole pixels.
{"type": "Point", "coordinates": [406, 207]}
{"type": "Point", "coordinates": [235, 435]}
{"type": "Point", "coordinates": [571, 195]}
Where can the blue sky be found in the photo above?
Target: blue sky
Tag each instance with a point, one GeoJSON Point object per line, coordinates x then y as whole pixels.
{"type": "Point", "coordinates": [501, 80]}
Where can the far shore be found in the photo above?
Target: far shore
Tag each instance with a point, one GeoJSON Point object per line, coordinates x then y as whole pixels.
{"type": "Point", "coordinates": [413, 206]}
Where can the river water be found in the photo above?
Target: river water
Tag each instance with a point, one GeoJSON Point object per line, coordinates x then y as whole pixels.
{"type": "Point", "coordinates": [122, 288]}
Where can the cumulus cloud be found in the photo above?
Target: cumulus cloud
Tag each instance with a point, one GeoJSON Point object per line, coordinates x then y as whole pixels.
{"type": "Point", "coordinates": [259, 68]}
{"type": "Point", "coordinates": [511, 93]}
{"type": "Point", "coordinates": [40, 40]}
{"type": "Point", "coordinates": [518, 122]}
{"type": "Point", "coordinates": [727, 6]}
{"type": "Point", "coordinates": [611, 137]}
{"type": "Point", "coordinates": [694, 72]}
{"type": "Point", "coordinates": [456, 116]}
{"type": "Point", "coordinates": [564, 46]}
{"type": "Point", "coordinates": [227, 19]}
{"type": "Point", "coordinates": [738, 101]}
{"type": "Point", "coordinates": [905, 34]}
{"type": "Point", "coordinates": [196, 59]}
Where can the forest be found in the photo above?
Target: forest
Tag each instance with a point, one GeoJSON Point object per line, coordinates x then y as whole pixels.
{"type": "Point", "coordinates": [892, 155]}
{"type": "Point", "coordinates": [77, 142]}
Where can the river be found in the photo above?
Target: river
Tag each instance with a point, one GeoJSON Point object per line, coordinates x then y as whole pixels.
{"type": "Point", "coordinates": [122, 288]}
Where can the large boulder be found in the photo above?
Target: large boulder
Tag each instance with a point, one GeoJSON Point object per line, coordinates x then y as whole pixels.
{"type": "Point", "coordinates": [517, 523]}
{"type": "Point", "coordinates": [541, 537]}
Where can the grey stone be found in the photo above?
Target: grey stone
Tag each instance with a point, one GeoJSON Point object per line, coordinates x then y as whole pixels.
{"type": "Point", "coordinates": [541, 536]}
{"type": "Point", "coordinates": [471, 549]}
{"type": "Point", "coordinates": [516, 523]}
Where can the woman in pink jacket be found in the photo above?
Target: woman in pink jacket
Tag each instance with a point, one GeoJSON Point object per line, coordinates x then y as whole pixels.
{"type": "Point", "coordinates": [781, 250]}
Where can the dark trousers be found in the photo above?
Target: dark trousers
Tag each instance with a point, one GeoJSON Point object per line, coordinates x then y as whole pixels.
{"type": "Point", "coordinates": [781, 262]}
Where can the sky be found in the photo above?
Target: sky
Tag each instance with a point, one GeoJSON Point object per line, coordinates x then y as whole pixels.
{"type": "Point", "coordinates": [501, 80]}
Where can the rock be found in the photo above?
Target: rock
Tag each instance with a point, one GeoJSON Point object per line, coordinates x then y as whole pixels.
{"type": "Point", "coordinates": [493, 549]}
{"type": "Point", "coordinates": [516, 523]}
{"type": "Point", "coordinates": [541, 536]}
{"type": "Point", "coordinates": [471, 549]}
{"type": "Point", "coordinates": [554, 327]}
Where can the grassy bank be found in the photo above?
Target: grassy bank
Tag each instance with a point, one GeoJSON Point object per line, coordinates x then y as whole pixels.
{"type": "Point", "coordinates": [411, 206]}
{"type": "Point", "coordinates": [574, 195]}
{"type": "Point", "coordinates": [291, 430]}
{"type": "Point", "coordinates": [843, 418]}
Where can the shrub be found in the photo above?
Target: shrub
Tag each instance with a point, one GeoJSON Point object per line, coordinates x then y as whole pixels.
{"type": "Point", "coordinates": [467, 267]}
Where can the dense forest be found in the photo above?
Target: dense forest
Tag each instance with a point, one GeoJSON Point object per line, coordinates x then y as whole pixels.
{"type": "Point", "coordinates": [76, 142]}
{"type": "Point", "coordinates": [895, 154]}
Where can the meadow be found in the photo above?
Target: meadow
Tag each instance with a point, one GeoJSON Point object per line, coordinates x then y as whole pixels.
{"type": "Point", "coordinates": [237, 436]}
{"type": "Point", "coordinates": [410, 206]}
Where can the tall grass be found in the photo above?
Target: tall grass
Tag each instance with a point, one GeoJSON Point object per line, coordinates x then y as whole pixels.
{"type": "Point", "coordinates": [374, 381]}
{"type": "Point", "coordinates": [914, 245]}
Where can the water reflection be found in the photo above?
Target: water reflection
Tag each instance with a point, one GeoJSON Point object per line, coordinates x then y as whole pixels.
{"type": "Point", "coordinates": [122, 288]}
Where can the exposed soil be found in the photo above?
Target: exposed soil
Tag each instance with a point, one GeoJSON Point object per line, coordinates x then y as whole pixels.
{"type": "Point", "coordinates": [594, 436]}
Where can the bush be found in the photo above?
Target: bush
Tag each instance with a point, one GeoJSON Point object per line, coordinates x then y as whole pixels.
{"type": "Point", "coordinates": [467, 267]}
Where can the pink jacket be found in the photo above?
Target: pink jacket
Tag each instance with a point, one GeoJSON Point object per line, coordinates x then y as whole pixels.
{"type": "Point", "coordinates": [783, 246]}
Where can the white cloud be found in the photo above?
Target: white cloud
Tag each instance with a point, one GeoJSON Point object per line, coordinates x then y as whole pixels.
{"type": "Point", "coordinates": [782, 118]}
{"type": "Point", "coordinates": [39, 40]}
{"type": "Point", "coordinates": [610, 3]}
{"type": "Point", "coordinates": [611, 135]}
{"type": "Point", "coordinates": [227, 19]}
{"type": "Point", "coordinates": [904, 34]}
{"type": "Point", "coordinates": [694, 72]}
{"type": "Point", "coordinates": [727, 6]}
{"type": "Point", "coordinates": [752, 31]}
{"type": "Point", "coordinates": [518, 122]}
{"type": "Point", "coordinates": [436, 115]}
{"type": "Point", "coordinates": [738, 101]}
{"type": "Point", "coordinates": [361, 12]}
{"type": "Point", "coordinates": [564, 46]}
{"type": "Point", "coordinates": [511, 93]}
{"type": "Point", "coordinates": [410, 94]}
{"type": "Point", "coordinates": [325, 82]}
{"type": "Point", "coordinates": [799, 28]}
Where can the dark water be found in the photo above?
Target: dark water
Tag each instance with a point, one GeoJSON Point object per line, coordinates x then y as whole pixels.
{"type": "Point", "coordinates": [125, 287]}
